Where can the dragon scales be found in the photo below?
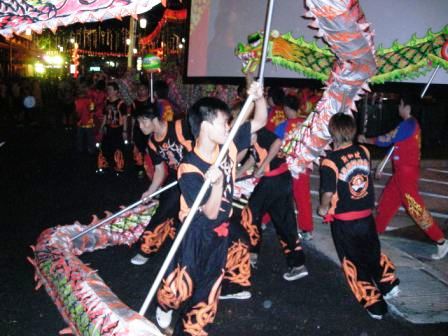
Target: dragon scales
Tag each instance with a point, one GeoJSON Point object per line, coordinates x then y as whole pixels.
{"type": "Point", "coordinates": [342, 24]}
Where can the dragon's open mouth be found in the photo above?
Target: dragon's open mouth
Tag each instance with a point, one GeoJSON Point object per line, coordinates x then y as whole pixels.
{"type": "Point", "coordinates": [247, 57]}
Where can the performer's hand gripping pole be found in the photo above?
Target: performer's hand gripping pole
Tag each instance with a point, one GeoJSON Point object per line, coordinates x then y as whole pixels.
{"type": "Point", "coordinates": [205, 186]}
{"type": "Point", "coordinates": [119, 213]}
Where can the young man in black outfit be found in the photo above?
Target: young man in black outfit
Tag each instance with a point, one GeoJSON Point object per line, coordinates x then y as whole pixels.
{"type": "Point", "coordinates": [347, 199]}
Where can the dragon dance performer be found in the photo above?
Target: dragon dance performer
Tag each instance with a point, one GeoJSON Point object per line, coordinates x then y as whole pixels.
{"type": "Point", "coordinates": [275, 113]}
{"type": "Point", "coordinates": [273, 195]}
{"type": "Point", "coordinates": [139, 139]}
{"type": "Point", "coordinates": [168, 143]}
{"type": "Point", "coordinates": [115, 131]}
{"type": "Point", "coordinates": [301, 183]}
{"type": "Point", "coordinates": [192, 283]}
{"type": "Point", "coordinates": [166, 110]}
{"type": "Point", "coordinates": [347, 199]}
{"type": "Point", "coordinates": [402, 187]}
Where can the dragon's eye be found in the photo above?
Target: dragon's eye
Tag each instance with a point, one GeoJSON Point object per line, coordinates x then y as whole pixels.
{"type": "Point", "coordinates": [256, 43]}
{"type": "Point", "coordinates": [254, 38]}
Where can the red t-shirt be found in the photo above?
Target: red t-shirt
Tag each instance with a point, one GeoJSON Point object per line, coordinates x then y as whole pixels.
{"type": "Point", "coordinates": [85, 116]}
{"type": "Point", "coordinates": [275, 116]}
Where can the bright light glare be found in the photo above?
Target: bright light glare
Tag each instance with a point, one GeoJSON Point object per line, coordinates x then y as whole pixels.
{"type": "Point", "coordinates": [143, 23]}
{"type": "Point", "coordinates": [39, 68]}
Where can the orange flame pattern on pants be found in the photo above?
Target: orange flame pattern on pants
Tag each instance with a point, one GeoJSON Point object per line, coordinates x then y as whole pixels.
{"type": "Point", "coordinates": [176, 288]}
{"type": "Point", "coordinates": [203, 313]}
{"type": "Point", "coordinates": [418, 212]}
{"type": "Point", "coordinates": [238, 264]}
{"type": "Point", "coordinates": [287, 250]}
{"type": "Point", "coordinates": [365, 292]}
{"type": "Point", "coordinates": [251, 229]}
{"type": "Point", "coordinates": [388, 267]}
{"type": "Point", "coordinates": [119, 160]}
{"type": "Point", "coordinates": [153, 240]}
{"type": "Point", "coordinates": [101, 161]}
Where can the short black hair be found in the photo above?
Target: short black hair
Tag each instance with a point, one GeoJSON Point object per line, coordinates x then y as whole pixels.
{"type": "Point", "coordinates": [342, 128]}
{"type": "Point", "coordinates": [205, 109]}
{"type": "Point", "coordinates": [101, 85]}
{"type": "Point", "coordinates": [292, 102]}
{"type": "Point", "coordinates": [148, 110]}
{"type": "Point", "coordinates": [161, 88]}
{"type": "Point", "coordinates": [277, 94]}
{"type": "Point", "coordinates": [409, 99]}
{"type": "Point", "coordinates": [114, 85]}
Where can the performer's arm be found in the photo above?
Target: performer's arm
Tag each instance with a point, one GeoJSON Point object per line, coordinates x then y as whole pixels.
{"type": "Point", "coordinates": [241, 155]}
{"type": "Point", "coordinates": [273, 151]}
{"type": "Point", "coordinates": [213, 204]}
{"type": "Point", "coordinates": [325, 201]}
{"type": "Point", "coordinates": [249, 163]}
{"type": "Point", "coordinates": [328, 185]}
{"type": "Point", "coordinates": [261, 110]}
{"type": "Point", "coordinates": [404, 130]}
{"type": "Point", "coordinates": [157, 180]}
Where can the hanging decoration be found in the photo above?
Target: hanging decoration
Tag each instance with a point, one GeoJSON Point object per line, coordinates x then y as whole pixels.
{"type": "Point", "coordinates": [75, 61]}
{"type": "Point", "coordinates": [399, 62]}
{"type": "Point", "coordinates": [18, 15]}
{"type": "Point", "coordinates": [168, 16]}
{"type": "Point", "coordinates": [100, 53]}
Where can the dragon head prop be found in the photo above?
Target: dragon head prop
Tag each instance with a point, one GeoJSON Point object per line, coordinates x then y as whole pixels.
{"type": "Point", "coordinates": [250, 53]}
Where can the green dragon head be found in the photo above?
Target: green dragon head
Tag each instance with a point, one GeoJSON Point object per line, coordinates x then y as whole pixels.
{"type": "Point", "coordinates": [250, 53]}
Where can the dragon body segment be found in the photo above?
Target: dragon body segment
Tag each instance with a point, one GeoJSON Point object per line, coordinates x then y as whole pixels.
{"type": "Point", "coordinates": [85, 302]}
{"type": "Point", "coordinates": [398, 62]}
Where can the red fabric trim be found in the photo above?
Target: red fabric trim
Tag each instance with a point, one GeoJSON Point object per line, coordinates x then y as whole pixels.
{"type": "Point", "coordinates": [277, 171]}
{"type": "Point", "coordinates": [348, 216]}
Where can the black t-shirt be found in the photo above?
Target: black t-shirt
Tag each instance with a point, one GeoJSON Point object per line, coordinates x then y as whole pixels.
{"type": "Point", "coordinates": [137, 104]}
{"type": "Point", "coordinates": [191, 176]}
{"type": "Point", "coordinates": [264, 141]}
{"type": "Point", "coordinates": [172, 147]}
{"type": "Point", "coordinates": [346, 173]}
{"type": "Point", "coordinates": [114, 111]}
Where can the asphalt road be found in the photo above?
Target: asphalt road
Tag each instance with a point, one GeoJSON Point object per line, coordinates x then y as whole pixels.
{"type": "Point", "coordinates": [44, 183]}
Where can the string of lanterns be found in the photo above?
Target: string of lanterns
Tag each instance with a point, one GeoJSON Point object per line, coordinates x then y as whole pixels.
{"type": "Point", "coordinates": [101, 53]}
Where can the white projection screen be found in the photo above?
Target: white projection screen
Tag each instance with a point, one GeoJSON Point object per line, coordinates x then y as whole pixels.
{"type": "Point", "coordinates": [216, 26]}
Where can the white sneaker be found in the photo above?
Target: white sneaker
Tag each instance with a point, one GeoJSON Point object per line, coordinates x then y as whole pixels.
{"type": "Point", "coordinates": [442, 250]}
{"type": "Point", "coordinates": [304, 235]}
{"type": "Point", "coordinates": [139, 260]}
{"type": "Point", "coordinates": [375, 316]}
{"type": "Point", "coordinates": [163, 317]}
{"type": "Point", "coordinates": [392, 293]}
{"type": "Point", "coordinates": [295, 273]}
{"type": "Point", "coordinates": [253, 259]}
{"type": "Point", "coordinates": [243, 295]}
